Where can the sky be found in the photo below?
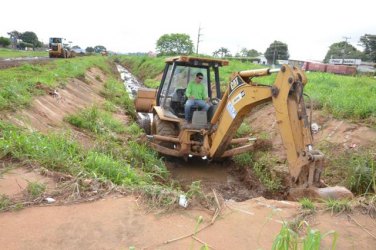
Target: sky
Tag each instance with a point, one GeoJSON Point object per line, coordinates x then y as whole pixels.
{"type": "Point", "coordinates": [307, 27]}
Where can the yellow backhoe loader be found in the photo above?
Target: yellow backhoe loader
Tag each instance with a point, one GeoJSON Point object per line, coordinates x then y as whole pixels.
{"type": "Point", "coordinates": [58, 49]}
{"type": "Point", "coordinates": [211, 133]}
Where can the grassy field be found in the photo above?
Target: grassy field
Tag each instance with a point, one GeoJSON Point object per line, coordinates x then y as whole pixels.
{"type": "Point", "coordinates": [10, 53]}
{"type": "Point", "coordinates": [344, 96]}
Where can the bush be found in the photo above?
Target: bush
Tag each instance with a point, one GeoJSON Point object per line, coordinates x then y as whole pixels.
{"type": "Point", "coordinates": [4, 41]}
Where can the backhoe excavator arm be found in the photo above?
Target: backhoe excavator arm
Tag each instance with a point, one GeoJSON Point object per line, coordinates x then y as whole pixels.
{"type": "Point", "coordinates": [242, 95]}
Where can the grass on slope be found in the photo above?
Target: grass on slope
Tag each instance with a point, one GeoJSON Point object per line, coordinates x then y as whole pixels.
{"type": "Point", "coordinates": [17, 85]}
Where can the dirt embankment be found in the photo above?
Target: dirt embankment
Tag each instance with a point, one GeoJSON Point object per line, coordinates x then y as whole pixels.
{"type": "Point", "coordinates": [121, 222]}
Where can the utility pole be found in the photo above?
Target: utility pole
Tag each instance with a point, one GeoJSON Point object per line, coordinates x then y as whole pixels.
{"type": "Point", "coordinates": [273, 65]}
{"type": "Point", "coordinates": [344, 52]}
{"type": "Point", "coordinates": [198, 38]}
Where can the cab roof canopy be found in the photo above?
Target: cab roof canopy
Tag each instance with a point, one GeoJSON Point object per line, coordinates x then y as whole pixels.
{"type": "Point", "coordinates": [197, 61]}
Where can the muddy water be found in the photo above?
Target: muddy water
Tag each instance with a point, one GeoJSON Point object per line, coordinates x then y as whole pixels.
{"type": "Point", "coordinates": [131, 84]}
{"type": "Point", "coordinates": [231, 182]}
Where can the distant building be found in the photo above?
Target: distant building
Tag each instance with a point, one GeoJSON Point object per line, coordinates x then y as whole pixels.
{"type": "Point", "coordinates": [152, 54]}
{"type": "Point", "coordinates": [299, 63]}
{"type": "Point", "coordinates": [345, 61]}
{"type": "Point", "coordinates": [262, 59]}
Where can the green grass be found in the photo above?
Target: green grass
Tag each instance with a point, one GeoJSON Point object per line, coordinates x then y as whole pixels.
{"type": "Point", "coordinates": [115, 93]}
{"type": "Point", "coordinates": [355, 170]}
{"type": "Point", "coordinates": [5, 202]}
{"type": "Point", "coordinates": [343, 96]}
{"type": "Point", "coordinates": [35, 189]}
{"type": "Point", "coordinates": [287, 239]}
{"type": "Point", "coordinates": [307, 204]}
{"type": "Point", "coordinates": [10, 53]}
{"type": "Point", "coordinates": [116, 153]}
{"type": "Point", "coordinates": [262, 164]}
{"type": "Point", "coordinates": [338, 206]}
{"type": "Point", "coordinates": [96, 120]}
{"type": "Point", "coordinates": [143, 67]}
{"type": "Point", "coordinates": [262, 168]}
{"type": "Point", "coordinates": [244, 160]}
{"type": "Point", "coordinates": [243, 130]}
{"type": "Point", "coordinates": [18, 85]}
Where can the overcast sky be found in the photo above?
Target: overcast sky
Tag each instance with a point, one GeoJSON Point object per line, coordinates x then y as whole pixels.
{"type": "Point", "coordinates": [307, 27]}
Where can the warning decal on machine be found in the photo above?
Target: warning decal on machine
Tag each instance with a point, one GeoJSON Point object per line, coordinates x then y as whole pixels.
{"type": "Point", "coordinates": [232, 111]}
{"type": "Point", "coordinates": [238, 97]}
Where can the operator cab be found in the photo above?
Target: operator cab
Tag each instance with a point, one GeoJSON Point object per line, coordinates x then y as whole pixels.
{"type": "Point", "coordinates": [178, 72]}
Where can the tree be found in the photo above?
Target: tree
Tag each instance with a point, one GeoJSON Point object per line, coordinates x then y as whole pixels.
{"type": "Point", "coordinates": [369, 43]}
{"type": "Point", "coordinates": [4, 41]}
{"type": "Point", "coordinates": [99, 48]}
{"type": "Point", "coordinates": [249, 53]}
{"type": "Point", "coordinates": [222, 52]}
{"type": "Point", "coordinates": [276, 51]}
{"type": "Point", "coordinates": [174, 44]}
{"type": "Point", "coordinates": [31, 38]}
{"type": "Point", "coordinates": [342, 50]}
{"type": "Point", "coordinates": [89, 49]}
{"type": "Point", "coordinates": [14, 36]}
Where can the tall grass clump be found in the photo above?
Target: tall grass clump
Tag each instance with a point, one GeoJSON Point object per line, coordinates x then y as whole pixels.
{"type": "Point", "coordinates": [35, 189]}
{"type": "Point", "coordinates": [243, 130]}
{"type": "Point", "coordinates": [101, 165]}
{"type": "Point", "coordinates": [96, 120]}
{"type": "Point", "coordinates": [51, 151]}
{"type": "Point", "coordinates": [244, 159]}
{"type": "Point", "coordinates": [262, 167]}
{"type": "Point", "coordinates": [338, 206]}
{"type": "Point", "coordinates": [307, 204]}
{"type": "Point", "coordinates": [115, 92]}
{"type": "Point", "coordinates": [287, 239]}
{"type": "Point", "coordinates": [355, 170]}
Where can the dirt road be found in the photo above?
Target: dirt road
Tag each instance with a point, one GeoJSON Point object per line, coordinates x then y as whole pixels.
{"type": "Point", "coordinates": [14, 62]}
{"type": "Point", "coordinates": [118, 223]}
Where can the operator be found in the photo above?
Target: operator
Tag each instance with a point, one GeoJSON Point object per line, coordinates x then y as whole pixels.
{"type": "Point", "coordinates": [197, 95]}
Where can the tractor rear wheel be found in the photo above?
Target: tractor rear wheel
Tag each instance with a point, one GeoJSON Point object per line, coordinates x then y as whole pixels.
{"type": "Point", "coordinates": [165, 128]}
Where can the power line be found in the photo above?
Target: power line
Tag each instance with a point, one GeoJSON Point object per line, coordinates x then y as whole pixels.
{"type": "Point", "coordinates": [344, 51]}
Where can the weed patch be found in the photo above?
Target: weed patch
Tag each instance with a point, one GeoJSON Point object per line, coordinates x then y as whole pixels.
{"type": "Point", "coordinates": [352, 169]}
{"type": "Point", "coordinates": [307, 204]}
{"type": "Point", "coordinates": [35, 189]}
{"type": "Point", "coordinates": [5, 202]}
{"type": "Point", "coordinates": [288, 239]}
{"type": "Point", "coordinates": [338, 206]}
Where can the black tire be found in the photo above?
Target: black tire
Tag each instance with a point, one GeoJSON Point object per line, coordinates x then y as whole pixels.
{"type": "Point", "coordinates": [145, 124]}
{"type": "Point", "coordinates": [165, 128]}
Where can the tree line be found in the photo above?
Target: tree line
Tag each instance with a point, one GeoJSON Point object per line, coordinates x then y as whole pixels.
{"type": "Point", "coordinates": [28, 39]}
{"type": "Point", "coordinates": [178, 44]}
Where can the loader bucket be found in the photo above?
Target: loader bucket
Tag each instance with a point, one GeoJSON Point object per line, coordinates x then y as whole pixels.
{"type": "Point", "coordinates": [314, 193]}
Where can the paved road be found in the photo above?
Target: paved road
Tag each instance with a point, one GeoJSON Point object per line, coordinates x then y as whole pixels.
{"type": "Point", "coordinates": [14, 62]}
